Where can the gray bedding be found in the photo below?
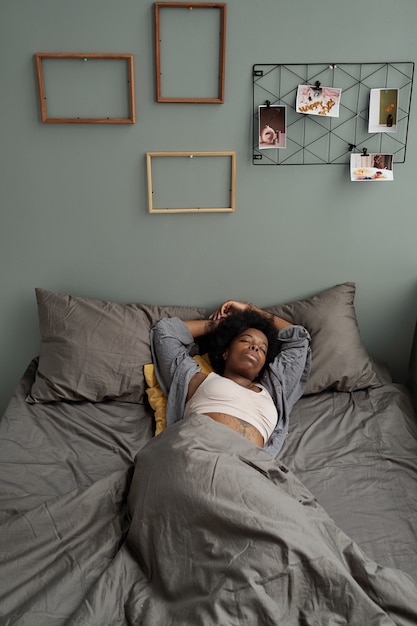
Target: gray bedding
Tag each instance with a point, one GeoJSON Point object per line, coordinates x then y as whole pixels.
{"type": "Point", "coordinates": [227, 535]}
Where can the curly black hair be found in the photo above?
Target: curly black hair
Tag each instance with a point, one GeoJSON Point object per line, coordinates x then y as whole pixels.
{"type": "Point", "coordinates": [232, 326]}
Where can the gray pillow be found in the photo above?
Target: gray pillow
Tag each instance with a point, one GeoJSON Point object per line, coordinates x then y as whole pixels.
{"type": "Point", "coordinates": [339, 359]}
{"type": "Point", "coordinates": [95, 350]}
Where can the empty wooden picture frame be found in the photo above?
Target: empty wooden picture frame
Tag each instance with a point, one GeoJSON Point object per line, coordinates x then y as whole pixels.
{"type": "Point", "coordinates": [187, 58]}
{"type": "Point", "coordinates": [92, 84]}
{"type": "Point", "coordinates": [191, 182]}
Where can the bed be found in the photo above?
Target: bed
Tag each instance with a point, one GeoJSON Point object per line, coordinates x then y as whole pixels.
{"type": "Point", "coordinates": [77, 547]}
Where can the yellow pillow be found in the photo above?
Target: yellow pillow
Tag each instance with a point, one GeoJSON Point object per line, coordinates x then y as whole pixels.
{"type": "Point", "coordinates": [157, 398]}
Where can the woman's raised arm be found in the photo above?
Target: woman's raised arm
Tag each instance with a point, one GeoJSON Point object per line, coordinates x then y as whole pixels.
{"type": "Point", "coordinates": [199, 328]}
{"type": "Point", "coordinates": [232, 306]}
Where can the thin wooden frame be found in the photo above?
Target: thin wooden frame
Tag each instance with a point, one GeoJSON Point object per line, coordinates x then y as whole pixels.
{"type": "Point", "coordinates": [131, 119]}
{"type": "Point", "coordinates": [222, 7]}
{"type": "Point", "coordinates": [229, 209]}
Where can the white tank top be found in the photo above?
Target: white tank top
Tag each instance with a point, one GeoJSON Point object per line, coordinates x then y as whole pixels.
{"type": "Point", "coordinates": [218, 394]}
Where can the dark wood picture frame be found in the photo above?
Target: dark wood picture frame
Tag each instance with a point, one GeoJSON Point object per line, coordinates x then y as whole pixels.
{"type": "Point", "coordinates": [128, 58]}
{"type": "Point", "coordinates": [222, 8]}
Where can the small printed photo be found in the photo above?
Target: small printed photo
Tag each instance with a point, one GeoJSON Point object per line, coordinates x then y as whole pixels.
{"type": "Point", "coordinates": [370, 167]}
{"type": "Point", "coordinates": [383, 108]}
{"type": "Point", "coordinates": [272, 127]}
{"type": "Point", "coordinates": [317, 100]}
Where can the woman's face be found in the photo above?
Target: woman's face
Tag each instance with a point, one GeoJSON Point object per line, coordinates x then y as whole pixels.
{"type": "Point", "coordinates": [246, 354]}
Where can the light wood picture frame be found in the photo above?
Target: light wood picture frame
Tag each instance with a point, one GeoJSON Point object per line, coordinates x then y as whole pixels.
{"type": "Point", "coordinates": [179, 50]}
{"type": "Point", "coordinates": [126, 61]}
{"type": "Point", "coordinates": [227, 181]}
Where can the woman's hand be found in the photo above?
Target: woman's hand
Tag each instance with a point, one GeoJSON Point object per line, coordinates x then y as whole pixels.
{"type": "Point", "coordinates": [228, 308]}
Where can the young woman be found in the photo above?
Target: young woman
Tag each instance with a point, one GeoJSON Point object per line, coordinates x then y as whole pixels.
{"type": "Point", "coordinates": [261, 364]}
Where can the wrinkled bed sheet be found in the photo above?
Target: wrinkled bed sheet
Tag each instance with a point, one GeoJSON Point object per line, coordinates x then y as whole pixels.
{"type": "Point", "coordinates": [357, 452]}
{"type": "Point", "coordinates": [223, 536]}
{"type": "Point", "coordinates": [65, 470]}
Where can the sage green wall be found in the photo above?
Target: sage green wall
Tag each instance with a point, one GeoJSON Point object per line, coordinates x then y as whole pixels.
{"type": "Point", "coordinates": [73, 197]}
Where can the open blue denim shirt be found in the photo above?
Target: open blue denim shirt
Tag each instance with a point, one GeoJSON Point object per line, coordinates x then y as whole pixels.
{"type": "Point", "coordinates": [285, 378]}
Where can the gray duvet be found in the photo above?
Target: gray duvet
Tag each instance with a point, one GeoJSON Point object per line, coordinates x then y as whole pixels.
{"type": "Point", "coordinates": [210, 530]}
{"type": "Point", "coordinates": [227, 535]}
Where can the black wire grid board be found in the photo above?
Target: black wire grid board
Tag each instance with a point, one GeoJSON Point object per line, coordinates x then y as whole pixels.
{"type": "Point", "coordinates": [314, 139]}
